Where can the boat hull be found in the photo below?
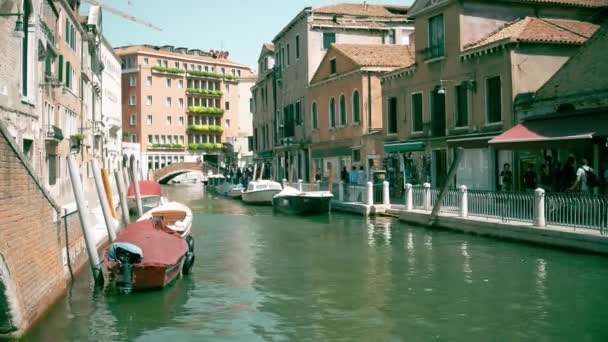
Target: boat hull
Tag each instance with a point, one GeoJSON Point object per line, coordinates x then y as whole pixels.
{"type": "Point", "coordinates": [302, 205]}
{"type": "Point", "coordinates": [151, 277]}
{"type": "Point", "coordinates": [259, 196]}
{"type": "Point", "coordinates": [235, 194]}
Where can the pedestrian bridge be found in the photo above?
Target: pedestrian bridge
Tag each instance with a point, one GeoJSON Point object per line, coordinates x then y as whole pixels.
{"type": "Point", "coordinates": [167, 173]}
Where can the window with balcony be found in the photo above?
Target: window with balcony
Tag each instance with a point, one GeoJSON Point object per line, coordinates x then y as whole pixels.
{"type": "Point", "coordinates": [332, 66]}
{"type": "Point", "coordinates": [436, 34]}
{"type": "Point", "coordinates": [391, 119]}
{"type": "Point", "coordinates": [314, 114]}
{"type": "Point", "coordinates": [493, 100]}
{"type": "Point", "coordinates": [150, 139]}
{"type": "Point", "coordinates": [328, 39]}
{"type": "Point", "coordinates": [462, 106]}
{"type": "Point", "coordinates": [342, 110]}
{"type": "Point", "coordinates": [356, 107]}
{"type": "Point", "coordinates": [417, 123]}
{"type": "Point", "coordinates": [332, 112]}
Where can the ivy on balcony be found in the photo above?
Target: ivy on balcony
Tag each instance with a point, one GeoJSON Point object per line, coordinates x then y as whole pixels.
{"type": "Point", "coordinates": [205, 146]}
{"type": "Point", "coordinates": [211, 75]}
{"type": "Point", "coordinates": [167, 146]}
{"type": "Point", "coordinates": [205, 110]}
{"type": "Point", "coordinates": [175, 71]}
{"type": "Point", "coordinates": [206, 128]}
{"type": "Point", "coordinates": [204, 92]}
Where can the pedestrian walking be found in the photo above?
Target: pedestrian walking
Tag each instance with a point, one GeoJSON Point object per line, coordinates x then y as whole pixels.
{"type": "Point", "coordinates": [344, 175]}
{"type": "Point", "coordinates": [354, 176]}
{"type": "Point", "coordinates": [506, 178]}
{"type": "Point", "coordinates": [361, 177]}
{"type": "Point", "coordinates": [586, 178]}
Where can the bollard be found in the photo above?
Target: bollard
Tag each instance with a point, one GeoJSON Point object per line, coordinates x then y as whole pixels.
{"type": "Point", "coordinates": [369, 200]}
{"type": "Point", "coordinates": [426, 196]}
{"type": "Point", "coordinates": [122, 194]}
{"type": "Point", "coordinates": [464, 201]}
{"type": "Point", "coordinates": [103, 201]}
{"type": "Point", "coordinates": [386, 199]}
{"type": "Point", "coordinates": [108, 188]}
{"type": "Point", "coordinates": [284, 183]}
{"type": "Point", "coordinates": [539, 208]}
{"type": "Point", "coordinates": [124, 172]}
{"type": "Point", "coordinates": [135, 181]}
{"type": "Point", "coordinates": [409, 197]}
{"type": "Point", "coordinates": [83, 213]}
{"type": "Point", "coordinates": [341, 191]}
{"type": "Point", "coordinates": [300, 183]}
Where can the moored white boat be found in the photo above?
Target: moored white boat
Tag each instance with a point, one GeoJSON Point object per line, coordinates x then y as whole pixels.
{"type": "Point", "coordinates": [292, 201]}
{"type": "Point", "coordinates": [176, 216]}
{"type": "Point", "coordinates": [261, 192]}
{"type": "Point", "coordinates": [151, 196]}
{"type": "Point", "coordinates": [236, 192]}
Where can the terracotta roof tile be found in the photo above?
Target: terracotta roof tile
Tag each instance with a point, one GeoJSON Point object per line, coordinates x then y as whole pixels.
{"type": "Point", "coordinates": [539, 30]}
{"type": "Point", "coordinates": [374, 55]}
{"type": "Point", "coordinates": [347, 23]}
{"type": "Point", "coordinates": [366, 10]}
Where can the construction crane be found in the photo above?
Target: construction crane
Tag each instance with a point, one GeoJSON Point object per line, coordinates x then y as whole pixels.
{"type": "Point", "coordinates": [122, 14]}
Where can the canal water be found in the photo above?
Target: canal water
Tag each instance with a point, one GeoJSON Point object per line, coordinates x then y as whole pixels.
{"type": "Point", "coordinates": [261, 276]}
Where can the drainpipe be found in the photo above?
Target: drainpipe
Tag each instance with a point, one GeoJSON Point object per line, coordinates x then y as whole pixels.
{"type": "Point", "coordinates": [369, 102]}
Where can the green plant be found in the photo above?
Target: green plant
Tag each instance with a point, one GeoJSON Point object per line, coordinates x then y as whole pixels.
{"type": "Point", "coordinates": [175, 146]}
{"type": "Point", "coordinates": [204, 92]}
{"type": "Point", "coordinates": [168, 70]}
{"type": "Point", "coordinates": [206, 128]}
{"type": "Point", "coordinates": [211, 75]}
{"type": "Point", "coordinates": [125, 134]}
{"type": "Point", "coordinates": [78, 137]}
{"type": "Point", "coordinates": [205, 110]}
{"type": "Point", "coordinates": [205, 146]}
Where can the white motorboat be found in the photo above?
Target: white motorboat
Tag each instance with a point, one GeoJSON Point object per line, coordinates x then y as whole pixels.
{"type": "Point", "coordinates": [151, 196]}
{"type": "Point", "coordinates": [293, 201]}
{"type": "Point", "coordinates": [236, 191]}
{"type": "Point", "coordinates": [261, 192]}
{"type": "Point", "coordinates": [176, 216]}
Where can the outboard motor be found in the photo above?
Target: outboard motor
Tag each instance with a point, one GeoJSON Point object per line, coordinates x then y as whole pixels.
{"type": "Point", "coordinates": [127, 255]}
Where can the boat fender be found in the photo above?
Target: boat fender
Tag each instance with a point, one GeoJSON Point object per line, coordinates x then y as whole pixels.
{"type": "Point", "coordinates": [188, 264]}
{"type": "Point", "coordinates": [190, 241]}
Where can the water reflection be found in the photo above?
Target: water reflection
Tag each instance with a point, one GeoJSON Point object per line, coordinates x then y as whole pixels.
{"type": "Point", "coordinates": [466, 264]}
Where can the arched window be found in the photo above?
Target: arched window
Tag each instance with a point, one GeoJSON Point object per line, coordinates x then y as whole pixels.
{"type": "Point", "coordinates": [314, 115]}
{"type": "Point", "coordinates": [356, 107]}
{"type": "Point", "coordinates": [332, 112]}
{"type": "Point", "coordinates": [342, 110]}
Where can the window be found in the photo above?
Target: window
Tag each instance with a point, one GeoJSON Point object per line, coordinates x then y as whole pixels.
{"type": "Point", "coordinates": [132, 81]}
{"type": "Point", "coordinates": [68, 75]}
{"type": "Point", "coordinates": [328, 39]}
{"type": "Point", "coordinates": [356, 107]}
{"type": "Point", "coordinates": [356, 155]}
{"type": "Point", "coordinates": [168, 102]}
{"type": "Point", "coordinates": [181, 138]}
{"type": "Point", "coordinates": [133, 138]}
{"type": "Point", "coordinates": [180, 84]}
{"type": "Point", "coordinates": [493, 100]}
{"type": "Point", "coordinates": [156, 139]}
{"type": "Point", "coordinates": [168, 83]}
{"type": "Point", "coordinates": [462, 106]}
{"type": "Point", "coordinates": [314, 114]}
{"type": "Point", "coordinates": [417, 125]}
{"type": "Point", "coordinates": [436, 38]}
{"type": "Point", "coordinates": [150, 139]}
{"type": "Point", "coordinates": [282, 57]}
{"type": "Point", "coordinates": [223, 71]}
{"type": "Point", "coordinates": [227, 105]}
{"type": "Point", "coordinates": [149, 120]}
{"type": "Point", "coordinates": [177, 65]}
{"type": "Point", "coordinates": [149, 100]}
{"type": "Point", "coordinates": [342, 110]}
{"type": "Point", "coordinates": [149, 80]}
{"type": "Point", "coordinates": [199, 67]}
{"type": "Point", "coordinates": [288, 55]}
{"type": "Point", "coordinates": [168, 120]}
{"type": "Point", "coordinates": [332, 66]}
{"type": "Point", "coordinates": [181, 102]}
{"type": "Point", "coordinates": [391, 37]}
{"type": "Point", "coordinates": [238, 73]}
{"type": "Point", "coordinates": [181, 121]}
{"type": "Point", "coordinates": [146, 61]}
{"type": "Point", "coordinates": [332, 112]}
{"type": "Point", "coordinates": [297, 47]}
{"type": "Point", "coordinates": [159, 62]}
{"type": "Point", "coordinates": [391, 120]}
{"type": "Point", "coordinates": [132, 100]}
{"type": "Point", "coordinates": [133, 119]}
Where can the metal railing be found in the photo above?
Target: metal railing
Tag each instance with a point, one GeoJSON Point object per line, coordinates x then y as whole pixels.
{"type": "Point", "coordinates": [450, 203]}
{"type": "Point", "coordinates": [577, 210]}
{"type": "Point", "coordinates": [418, 197]}
{"type": "Point", "coordinates": [507, 206]}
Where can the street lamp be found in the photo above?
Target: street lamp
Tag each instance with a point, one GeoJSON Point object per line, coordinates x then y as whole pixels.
{"type": "Point", "coordinates": [19, 27]}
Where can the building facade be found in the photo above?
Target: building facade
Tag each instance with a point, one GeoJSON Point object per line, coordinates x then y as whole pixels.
{"type": "Point", "coordinates": [111, 106]}
{"type": "Point", "coordinates": [180, 104]}
{"type": "Point", "coordinates": [345, 97]}
{"type": "Point", "coordinates": [473, 60]}
{"type": "Point", "coordinates": [263, 102]}
{"type": "Point", "coordinates": [299, 48]}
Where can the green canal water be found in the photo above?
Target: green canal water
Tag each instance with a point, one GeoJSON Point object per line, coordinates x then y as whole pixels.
{"type": "Point", "coordinates": [261, 276]}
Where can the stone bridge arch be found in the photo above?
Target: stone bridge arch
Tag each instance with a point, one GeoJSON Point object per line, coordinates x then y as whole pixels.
{"type": "Point", "coordinates": [167, 173]}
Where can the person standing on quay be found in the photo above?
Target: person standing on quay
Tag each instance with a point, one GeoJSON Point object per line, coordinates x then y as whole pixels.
{"type": "Point", "coordinates": [361, 176]}
{"type": "Point", "coordinates": [506, 178]}
{"type": "Point", "coordinates": [530, 178]}
{"type": "Point", "coordinates": [586, 179]}
{"type": "Point", "coordinates": [353, 176]}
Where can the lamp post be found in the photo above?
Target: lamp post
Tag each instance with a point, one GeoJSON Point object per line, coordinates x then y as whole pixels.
{"type": "Point", "coordinates": [19, 26]}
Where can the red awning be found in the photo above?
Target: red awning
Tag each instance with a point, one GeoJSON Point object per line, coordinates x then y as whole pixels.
{"type": "Point", "coordinates": [146, 189]}
{"type": "Point", "coordinates": [539, 133]}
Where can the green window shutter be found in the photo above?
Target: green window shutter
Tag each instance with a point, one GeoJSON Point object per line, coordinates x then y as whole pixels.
{"type": "Point", "coordinates": [356, 108]}
{"type": "Point", "coordinates": [67, 31]}
{"type": "Point", "coordinates": [60, 71]}
{"type": "Point", "coordinates": [68, 75]}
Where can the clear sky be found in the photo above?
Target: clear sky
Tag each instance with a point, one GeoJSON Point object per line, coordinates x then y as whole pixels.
{"type": "Point", "coordinates": [238, 26]}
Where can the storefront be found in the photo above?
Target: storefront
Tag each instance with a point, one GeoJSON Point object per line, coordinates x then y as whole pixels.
{"type": "Point", "coordinates": [406, 162]}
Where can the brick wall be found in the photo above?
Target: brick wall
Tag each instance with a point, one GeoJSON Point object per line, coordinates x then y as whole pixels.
{"type": "Point", "coordinates": [32, 240]}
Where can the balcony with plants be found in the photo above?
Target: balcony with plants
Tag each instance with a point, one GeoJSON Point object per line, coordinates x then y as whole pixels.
{"type": "Point", "coordinates": [195, 91]}
{"type": "Point", "coordinates": [166, 147]}
{"type": "Point", "coordinates": [212, 75]}
{"type": "Point", "coordinates": [205, 147]}
{"type": "Point", "coordinates": [169, 71]}
{"type": "Point", "coordinates": [206, 128]}
{"type": "Point", "coordinates": [199, 110]}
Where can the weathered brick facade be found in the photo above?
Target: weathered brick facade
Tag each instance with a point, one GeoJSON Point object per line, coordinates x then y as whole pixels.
{"type": "Point", "coordinates": [32, 242]}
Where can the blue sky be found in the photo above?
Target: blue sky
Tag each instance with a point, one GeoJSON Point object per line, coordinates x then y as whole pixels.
{"type": "Point", "coordinates": [239, 26]}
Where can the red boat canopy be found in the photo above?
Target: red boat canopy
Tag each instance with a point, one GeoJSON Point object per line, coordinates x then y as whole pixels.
{"type": "Point", "coordinates": [146, 189]}
{"type": "Point", "coordinates": [161, 245]}
{"type": "Point", "coordinates": [540, 133]}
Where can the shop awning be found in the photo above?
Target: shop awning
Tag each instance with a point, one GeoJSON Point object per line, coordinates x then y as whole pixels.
{"type": "Point", "coordinates": [404, 146]}
{"type": "Point", "coordinates": [540, 133]}
{"type": "Point", "coordinates": [332, 152]}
